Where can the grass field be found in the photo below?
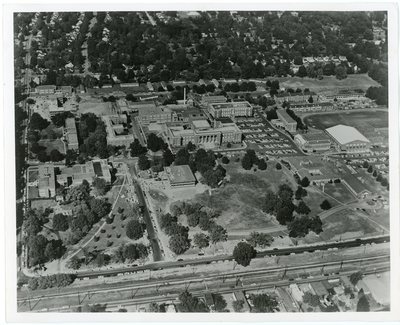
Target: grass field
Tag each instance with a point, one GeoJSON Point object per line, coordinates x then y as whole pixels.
{"type": "Point", "coordinates": [360, 120]}
{"type": "Point", "coordinates": [240, 201]}
{"type": "Point", "coordinates": [347, 224]}
{"type": "Point", "coordinates": [359, 81]}
{"type": "Point", "coordinates": [94, 105]}
{"type": "Point", "coordinates": [53, 144]}
{"type": "Point", "coordinates": [339, 192]}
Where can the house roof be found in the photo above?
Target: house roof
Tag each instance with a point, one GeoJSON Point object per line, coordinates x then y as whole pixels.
{"type": "Point", "coordinates": [345, 134]}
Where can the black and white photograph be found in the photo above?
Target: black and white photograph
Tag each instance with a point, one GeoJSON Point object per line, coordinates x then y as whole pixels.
{"type": "Point", "coordinates": [208, 160]}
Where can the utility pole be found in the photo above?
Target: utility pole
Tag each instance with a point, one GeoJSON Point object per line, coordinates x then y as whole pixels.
{"type": "Point", "coordinates": [284, 272]}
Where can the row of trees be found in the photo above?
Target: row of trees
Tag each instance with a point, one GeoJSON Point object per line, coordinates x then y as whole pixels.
{"type": "Point", "coordinates": [51, 281]}
{"type": "Point", "coordinates": [250, 158]}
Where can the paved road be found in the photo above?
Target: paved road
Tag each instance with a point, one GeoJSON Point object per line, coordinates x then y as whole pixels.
{"type": "Point", "coordinates": [157, 255]}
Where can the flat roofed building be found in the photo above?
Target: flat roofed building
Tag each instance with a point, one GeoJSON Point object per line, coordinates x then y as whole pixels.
{"type": "Point", "coordinates": [348, 139]}
{"type": "Point", "coordinates": [311, 107]}
{"type": "Point", "coordinates": [117, 133]}
{"type": "Point", "coordinates": [230, 109]}
{"type": "Point", "coordinates": [313, 142]}
{"type": "Point", "coordinates": [71, 134]}
{"type": "Point", "coordinates": [289, 124]}
{"type": "Point", "coordinates": [45, 89]}
{"type": "Point", "coordinates": [202, 134]}
{"type": "Point", "coordinates": [206, 99]}
{"type": "Point", "coordinates": [180, 176]}
{"type": "Point", "coordinates": [75, 175]}
{"type": "Point", "coordinates": [153, 114]}
{"type": "Point", "coordinates": [46, 181]}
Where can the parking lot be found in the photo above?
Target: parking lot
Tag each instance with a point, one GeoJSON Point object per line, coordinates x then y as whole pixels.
{"type": "Point", "coordinates": [264, 139]}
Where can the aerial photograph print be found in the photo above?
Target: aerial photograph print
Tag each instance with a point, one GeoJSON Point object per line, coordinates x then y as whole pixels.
{"type": "Point", "coordinates": [211, 161]}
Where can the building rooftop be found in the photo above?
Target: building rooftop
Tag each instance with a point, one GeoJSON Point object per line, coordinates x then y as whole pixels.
{"type": "Point", "coordinates": [180, 174]}
{"type": "Point", "coordinates": [314, 136]}
{"type": "Point", "coordinates": [284, 116]}
{"type": "Point", "coordinates": [201, 124]}
{"type": "Point", "coordinates": [230, 104]}
{"type": "Point", "coordinates": [345, 134]}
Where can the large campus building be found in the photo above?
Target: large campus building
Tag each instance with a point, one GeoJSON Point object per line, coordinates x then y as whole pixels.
{"type": "Point", "coordinates": [180, 176]}
{"type": "Point", "coordinates": [348, 139]}
{"type": "Point", "coordinates": [70, 134]}
{"type": "Point", "coordinates": [287, 122]}
{"type": "Point", "coordinates": [150, 113]}
{"type": "Point", "coordinates": [313, 142]}
{"type": "Point", "coordinates": [117, 131]}
{"type": "Point", "coordinates": [201, 133]}
{"type": "Point", "coordinates": [230, 109]}
{"type": "Point", "coordinates": [75, 175]}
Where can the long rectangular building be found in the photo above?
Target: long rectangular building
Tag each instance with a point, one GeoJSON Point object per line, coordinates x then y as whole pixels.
{"type": "Point", "coordinates": [202, 134]}
{"type": "Point", "coordinates": [230, 109]}
{"type": "Point", "coordinates": [313, 142]}
{"type": "Point", "coordinates": [289, 124]}
{"type": "Point", "coordinates": [71, 134]}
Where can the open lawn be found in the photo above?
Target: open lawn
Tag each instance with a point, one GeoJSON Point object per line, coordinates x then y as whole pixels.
{"type": "Point", "coordinates": [348, 224]}
{"type": "Point", "coordinates": [53, 144]}
{"type": "Point", "coordinates": [360, 120]}
{"type": "Point", "coordinates": [355, 81]}
{"type": "Point", "coordinates": [94, 105]}
{"type": "Point", "coordinates": [314, 199]}
{"type": "Point", "coordinates": [339, 191]}
{"type": "Point", "coordinates": [240, 201]}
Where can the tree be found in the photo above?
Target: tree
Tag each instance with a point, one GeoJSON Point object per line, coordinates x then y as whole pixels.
{"type": "Point", "coordinates": [219, 302]}
{"type": "Point", "coordinates": [201, 240]}
{"type": "Point", "coordinates": [375, 173]}
{"type": "Point", "coordinates": [301, 226]}
{"type": "Point", "coordinates": [263, 303]}
{"type": "Point", "coordinates": [260, 239]}
{"type": "Point", "coordinates": [311, 299]}
{"type": "Point", "coordinates": [300, 193]}
{"type": "Point", "coordinates": [188, 303]}
{"type": "Point", "coordinates": [355, 277]}
{"type": "Point", "coordinates": [179, 244]}
{"type": "Point", "coordinates": [302, 208]}
{"type": "Point", "coordinates": [325, 205]}
{"type": "Point", "coordinates": [168, 157]}
{"type": "Point", "coordinates": [205, 222]}
{"type": "Point", "coordinates": [365, 164]}
{"type": "Point", "coordinates": [55, 155]}
{"type": "Point", "coordinates": [363, 304]}
{"type": "Point", "coordinates": [278, 166]}
{"type": "Point", "coordinates": [305, 182]}
{"type": "Point", "coordinates": [193, 218]}
{"type": "Point", "coordinates": [154, 307]}
{"type": "Point", "coordinates": [60, 222]}
{"type": "Point", "coordinates": [190, 146]}
{"type": "Point", "coordinates": [243, 253]}
{"type": "Point", "coordinates": [134, 229]}
{"type": "Point", "coordinates": [166, 220]}
{"type": "Point", "coordinates": [182, 157]}
{"type": "Point", "coordinates": [100, 185]}
{"type": "Point", "coordinates": [154, 143]}
{"type": "Point", "coordinates": [341, 72]}
{"type": "Point", "coordinates": [217, 234]}
{"type": "Point", "coordinates": [302, 71]}
{"type": "Point", "coordinates": [37, 245]}
{"type": "Point", "coordinates": [74, 263]}
{"type": "Point", "coordinates": [370, 169]}
{"type": "Point", "coordinates": [144, 162]}
{"type": "Point", "coordinates": [262, 165]}
{"type": "Point", "coordinates": [225, 160]}
{"type": "Point", "coordinates": [130, 252]}
{"type": "Point", "coordinates": [37, 122]}
{"type": "Point", "coordinates": [137, 149]}
{"type": "Point", "coordinates": [238, 306]}
{"type": "Point", "coordinates": [246, 162]}
{"type": "Point", "coordinates": [270, 202]}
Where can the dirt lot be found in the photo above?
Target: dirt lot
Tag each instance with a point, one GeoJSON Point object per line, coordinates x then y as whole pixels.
{"type": "Point", "coordinates": [94, 105]}
{"type": "Point", "coordinates": [358, 81]}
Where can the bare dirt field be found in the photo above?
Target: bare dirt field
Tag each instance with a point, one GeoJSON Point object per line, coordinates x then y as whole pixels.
{"type": "Point", "coordinates": [94, 105]}
{"type": "Point", "coordinates": [355, 81]}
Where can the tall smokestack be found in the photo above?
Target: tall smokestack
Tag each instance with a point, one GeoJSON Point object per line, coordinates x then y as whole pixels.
{"type": "Point", "coordinates": [184, 95]}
